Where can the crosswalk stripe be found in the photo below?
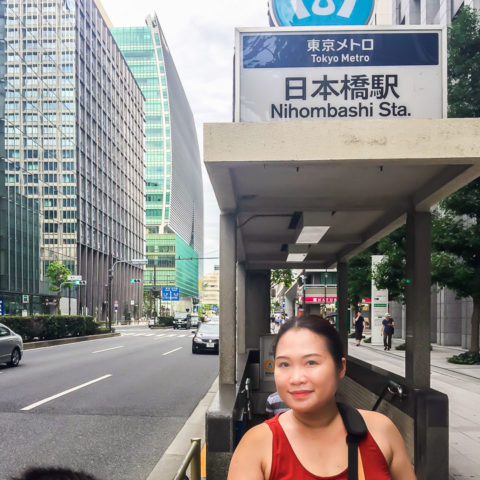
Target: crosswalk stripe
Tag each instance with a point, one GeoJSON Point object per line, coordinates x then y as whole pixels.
{"type": "Point", "coordinates": [181, 336]}
{"type": "Point", "coordinates": [149, 334]}
{"type": "Point", "coordinates": [161, 335]}
{"type": "Point", "coordinates": [173, 335]}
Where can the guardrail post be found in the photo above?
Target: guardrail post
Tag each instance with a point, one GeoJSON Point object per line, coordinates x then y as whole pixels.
{"type": "Point", "coordinates": [195, 466]}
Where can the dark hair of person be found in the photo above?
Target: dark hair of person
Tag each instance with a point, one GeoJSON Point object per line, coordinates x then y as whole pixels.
{"type": "Point", "coordinates": [41, 473]}
{"type": "Point", "coordinates": [318, 325]}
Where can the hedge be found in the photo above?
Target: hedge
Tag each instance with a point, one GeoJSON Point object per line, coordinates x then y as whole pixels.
{"type": "Point", "coordinates": [466, 358]}
{"type": "Point", "coordinates": [49, 327]}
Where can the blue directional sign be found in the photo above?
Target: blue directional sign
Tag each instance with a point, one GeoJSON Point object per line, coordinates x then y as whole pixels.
{"type": "Point", "coordinates": [171, 293]}
{"type": "Point", "coordinates": [2, 310]}
{"type": "Point", "coordinates": [214, 308]}
{"type": "Point", "coordinates": [307, 13]}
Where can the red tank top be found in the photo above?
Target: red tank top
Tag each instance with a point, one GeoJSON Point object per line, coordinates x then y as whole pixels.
{"type": "Point", "coordinates": [286, 466]}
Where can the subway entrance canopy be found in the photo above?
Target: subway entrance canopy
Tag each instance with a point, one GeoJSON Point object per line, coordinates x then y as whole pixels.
{"type": "Point", "coordinates": [351, 182]}
{"type": "Point", "coordinates": [358, 178]}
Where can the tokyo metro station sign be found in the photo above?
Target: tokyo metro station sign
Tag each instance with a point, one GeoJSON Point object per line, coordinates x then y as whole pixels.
{"type": "Point", "coordinates": [302, 73]}
{"type": "Point", "coordinates": [302, 13]}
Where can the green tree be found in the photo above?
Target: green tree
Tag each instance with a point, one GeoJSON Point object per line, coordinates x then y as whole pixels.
{"type": "Point", "coordinates": [360, 275]}
{"type": "Point", "coordinates": [284, 276]}
{"type": "Point", "coordinates": [57, 275]}
{"type": "Point", "coordinates": [464, 64]}
{"type": "Point", "coordinates": [390, 273]}
{"type": "Point", "coordinates": [456, 249]}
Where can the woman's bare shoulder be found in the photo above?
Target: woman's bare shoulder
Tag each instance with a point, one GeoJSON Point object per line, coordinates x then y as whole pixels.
{"type": "Point", "coordinates": [252, 457]}
{"type": "Point", "coordinates": [378, 423]}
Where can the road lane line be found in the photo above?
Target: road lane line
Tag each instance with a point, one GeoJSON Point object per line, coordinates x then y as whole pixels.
{"type": "Point", "coordinates": [149, 334]}
{"type": "Point", "coordinates": [180, 336]}
{"type": "Point", "coordinates": [66, 392]}
{"type": "Point", "coordinates": [173, 335]}
{"type": "Point", "coordinates": [107, 349]}
{"type": "Point", "coordinates": [139, 335]}
{"type": "Point", "coordinates": [171, 351]}
{"type": "Point", "coordinates": [161, 335]}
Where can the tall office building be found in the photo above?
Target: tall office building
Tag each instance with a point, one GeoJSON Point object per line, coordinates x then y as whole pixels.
{"type": "Point", "coordinates": [174, 194]}
{"type": "Point", "coordinates": [423, 12]}
{"type": "Point", "coordinates": [74, 128]}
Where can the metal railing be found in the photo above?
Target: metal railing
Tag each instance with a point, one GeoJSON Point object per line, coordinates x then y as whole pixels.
{"type": "Point", "coordinates": [193, 458]}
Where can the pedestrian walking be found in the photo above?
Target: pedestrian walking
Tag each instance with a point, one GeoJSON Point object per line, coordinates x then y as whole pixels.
{"type": "Point", "coordinates": [387, 331]}
{"type": "Point", "coordinates": [359, 326]}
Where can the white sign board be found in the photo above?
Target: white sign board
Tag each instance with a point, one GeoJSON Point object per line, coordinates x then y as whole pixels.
{"type": "Point", "coordinates": [267, 363]}
{"type": "Point", "coordinates": [74, 277]}
{"type": "Point", "coordinates": [300, 73]}
{"type": "Point", "coordinates": [379, 306]}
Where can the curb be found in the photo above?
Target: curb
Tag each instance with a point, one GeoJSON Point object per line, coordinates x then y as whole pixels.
{"type": "Point", "coordinates": [168, 465]}
{"type": "Point", "coordinates": [64, 341]}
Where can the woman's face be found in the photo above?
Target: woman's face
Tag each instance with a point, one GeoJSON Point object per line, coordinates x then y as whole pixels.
{"type": "Point", "coordinates": [305, 373]}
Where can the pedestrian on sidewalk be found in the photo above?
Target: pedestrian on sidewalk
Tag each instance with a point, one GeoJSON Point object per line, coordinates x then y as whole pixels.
{"type": "Point", "coordinates": [359, 326]}
{"type": "Point", "coordinates": [387, 331]}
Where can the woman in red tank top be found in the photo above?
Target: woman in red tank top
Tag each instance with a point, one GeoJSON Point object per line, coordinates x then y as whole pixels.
{"type": "Point", "coordinates": [308, 442]}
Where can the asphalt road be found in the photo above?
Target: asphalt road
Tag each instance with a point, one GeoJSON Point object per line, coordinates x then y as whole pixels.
{"type": "Point", "coordinates": [124, 400]}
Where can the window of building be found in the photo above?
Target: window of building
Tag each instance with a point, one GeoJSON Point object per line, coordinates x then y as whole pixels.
{"type": "Point", "coordinates": [50, 190]}
{"type": "Point", "coordinates": [49, 202]}
{"type": "Point", "coordinates": [69, 227]}
{"type": "Point", "coordinates": [68, 166]}
{"type": "Point", "coordinates": [50, 178]}
{"type": "Point", "coordinates": [50, 227]}
{"type": "Point", "coordinates": [50, 214]}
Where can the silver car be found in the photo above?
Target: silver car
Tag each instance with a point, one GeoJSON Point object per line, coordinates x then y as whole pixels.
{"type": "Point", "coordinates": [11, 346]}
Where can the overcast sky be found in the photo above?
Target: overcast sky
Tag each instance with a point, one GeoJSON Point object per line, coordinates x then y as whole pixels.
{"type": "Point", "coordinates": [200, 35]}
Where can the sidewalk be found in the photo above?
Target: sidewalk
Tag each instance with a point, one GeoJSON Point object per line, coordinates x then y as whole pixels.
{"type": "Point", "coordinates": [462, 385]}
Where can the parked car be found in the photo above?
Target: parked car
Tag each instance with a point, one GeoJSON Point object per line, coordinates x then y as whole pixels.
{"type": "Point", "coordinates": [182, 320]}
{"type": "Point", "coordinates": [206, 338]}
{"type": "Point", "coordinates": [11, 346]}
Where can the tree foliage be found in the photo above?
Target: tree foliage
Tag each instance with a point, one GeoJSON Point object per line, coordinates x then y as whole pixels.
{"type": "Point", "coordinates": [284, 276]}
{"type": "Point", "coordinates": [390, 274]}
{"type": "Point", "coordinates": [464, 64]}
{"type": "Point", "coordinates": [57, 273]}
{"type": "Point", "coordinates": [360, 276]}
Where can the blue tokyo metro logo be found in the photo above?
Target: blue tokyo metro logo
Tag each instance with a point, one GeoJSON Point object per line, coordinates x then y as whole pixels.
{"type": "Point", "coordinates": [307, 13]}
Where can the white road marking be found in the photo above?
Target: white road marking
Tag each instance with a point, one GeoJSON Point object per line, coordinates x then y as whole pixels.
{"type": "Point", "coordinates": [171, 351]}
{"type": "Point", "coordinates": [173, 335]}
{"type": "Point", "coordinates": [149, 334]}
{"type": "Point", "coordinates": [161, 335]}
{"type": "Point", "coordinates": [66, 392]}
{"type": "Point", "coordinates": [180, 336]}
{"type": "Point", "coordinates": [126, 334]}
{"type": "Point", "coordinates": [139, 335]}
{"type": "Point", "coordinates": [107, 349]}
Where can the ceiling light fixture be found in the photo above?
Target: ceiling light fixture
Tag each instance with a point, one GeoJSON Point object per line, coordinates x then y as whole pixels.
{"type": "Point", "coordinates": [311, 234]}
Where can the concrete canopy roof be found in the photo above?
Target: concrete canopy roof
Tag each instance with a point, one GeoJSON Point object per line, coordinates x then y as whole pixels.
{"type": "Point", "coordinates": [359, 178]}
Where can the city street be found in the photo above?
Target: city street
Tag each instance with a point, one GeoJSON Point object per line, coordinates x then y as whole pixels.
{"type": "Point", "coordinates": [110, 407]}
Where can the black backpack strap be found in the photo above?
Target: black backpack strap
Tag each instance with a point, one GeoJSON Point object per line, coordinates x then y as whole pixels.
{"type": "Point", "coordinates": [356, 430]}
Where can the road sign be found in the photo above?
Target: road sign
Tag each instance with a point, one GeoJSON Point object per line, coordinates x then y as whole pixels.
{"type": "Point", "coordinates": [214, 308]}
{"type": "Point", "coordinates": [74, 277]}
{"type": "Point", "coordinates": [79, 282]}
{"type": "Point", "coordinates": [115, 307]}
{"type": "Point", "coordinates": [115, 302]}
{"type": "Point", "coordinates": [132, 302]}
{"type": "Point", "coordinates": [340, 73]}
{"type": "Point", "coordinates": [2, 308]}
{"type": "Point", "coordinates": [25, 299]}
{"type": "Point", "coordinates": [300, 13]}
{"type": "Point", "coordinates": [171, 293]}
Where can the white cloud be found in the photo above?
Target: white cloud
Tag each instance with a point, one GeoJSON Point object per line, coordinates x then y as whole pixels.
{"type": "Point", "coordinates": [200, 35]}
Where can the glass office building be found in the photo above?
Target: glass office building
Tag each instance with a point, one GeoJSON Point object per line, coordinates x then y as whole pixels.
{"type": "Point", "coordinates": [174, 195]}
{"type": "Point", "coordinates": [74, 142]}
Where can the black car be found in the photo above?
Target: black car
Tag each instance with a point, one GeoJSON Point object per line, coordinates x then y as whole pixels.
{"type": "Point", "coordinates": [182, 320]}
{"type": "Point", "coordinates": [206, 338]}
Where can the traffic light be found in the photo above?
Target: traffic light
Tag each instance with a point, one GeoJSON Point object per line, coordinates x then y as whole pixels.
{"type": "Point", "coordinates": [135, 280]}
{"type": "Point", "coordinates": [80, 282]}
{"type": "Point", "coordinates": [155, 292]}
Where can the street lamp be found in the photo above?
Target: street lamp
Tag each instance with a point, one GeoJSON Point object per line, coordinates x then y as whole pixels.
{"type": "Point", "coordinates": [111, 272]}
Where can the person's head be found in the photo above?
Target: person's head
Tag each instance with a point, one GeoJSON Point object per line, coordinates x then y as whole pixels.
{"type": "Point", "coordinates": [41, 473]}
{"type": "Point", "coordinates": [387, 315]}
{"type": "Point", "coordinates": [309, 362]}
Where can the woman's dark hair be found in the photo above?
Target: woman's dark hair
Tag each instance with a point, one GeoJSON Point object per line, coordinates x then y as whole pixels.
{"type": "Point", "coordinates": [53, 474]}
{"type": "Point", "coordinates": [319, 326]}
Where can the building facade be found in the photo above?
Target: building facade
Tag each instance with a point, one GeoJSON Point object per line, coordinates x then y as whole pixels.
{"type": "Point", "coordinates": [174, 195]}
{"type": "Point", "coordinates": [74, 143]}
{"type": "Point", "coordinates": [210, 295]}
